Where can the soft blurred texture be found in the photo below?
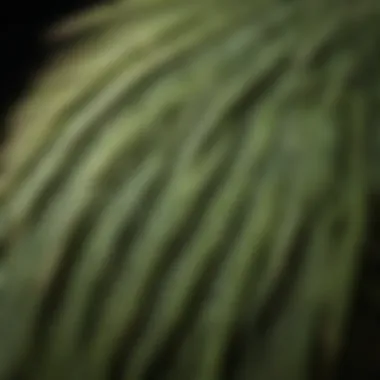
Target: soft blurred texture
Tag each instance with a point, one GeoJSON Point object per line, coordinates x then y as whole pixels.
{"type": "Point", "coordinates": [190, 190]}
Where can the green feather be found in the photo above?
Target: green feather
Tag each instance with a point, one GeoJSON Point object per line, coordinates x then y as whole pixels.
{"type": "Point", "coordinates": [186, 192]}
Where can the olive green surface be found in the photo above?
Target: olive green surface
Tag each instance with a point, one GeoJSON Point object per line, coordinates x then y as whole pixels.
{"type": "Point", "coordinates": [186, 190]}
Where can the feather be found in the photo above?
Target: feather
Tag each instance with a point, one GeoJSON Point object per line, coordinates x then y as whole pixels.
{"type": "Point", "coordinates": [186, 190]}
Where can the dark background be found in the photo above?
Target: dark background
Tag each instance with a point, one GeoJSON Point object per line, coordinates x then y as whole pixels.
{"type": "Point", "coordinates": [21, 52]}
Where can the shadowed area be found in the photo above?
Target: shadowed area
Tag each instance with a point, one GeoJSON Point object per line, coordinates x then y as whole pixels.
{"type": "Point", "coordinates": [22, 52]}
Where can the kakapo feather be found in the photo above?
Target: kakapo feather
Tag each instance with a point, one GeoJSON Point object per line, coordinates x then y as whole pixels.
{"type": "Point", "coordinates": [185, 192]}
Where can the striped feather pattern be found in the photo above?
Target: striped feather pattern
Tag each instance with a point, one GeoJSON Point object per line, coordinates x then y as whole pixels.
{"type": "Point", "coordinates": [185, 193]}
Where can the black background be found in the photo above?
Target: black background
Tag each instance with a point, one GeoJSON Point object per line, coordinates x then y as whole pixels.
{"type": "Point", "coordinates": [21, 51]}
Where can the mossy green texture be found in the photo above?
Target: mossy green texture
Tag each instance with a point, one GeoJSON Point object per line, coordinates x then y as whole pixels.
{"type": "Point", "coordinates": [186, 191]}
